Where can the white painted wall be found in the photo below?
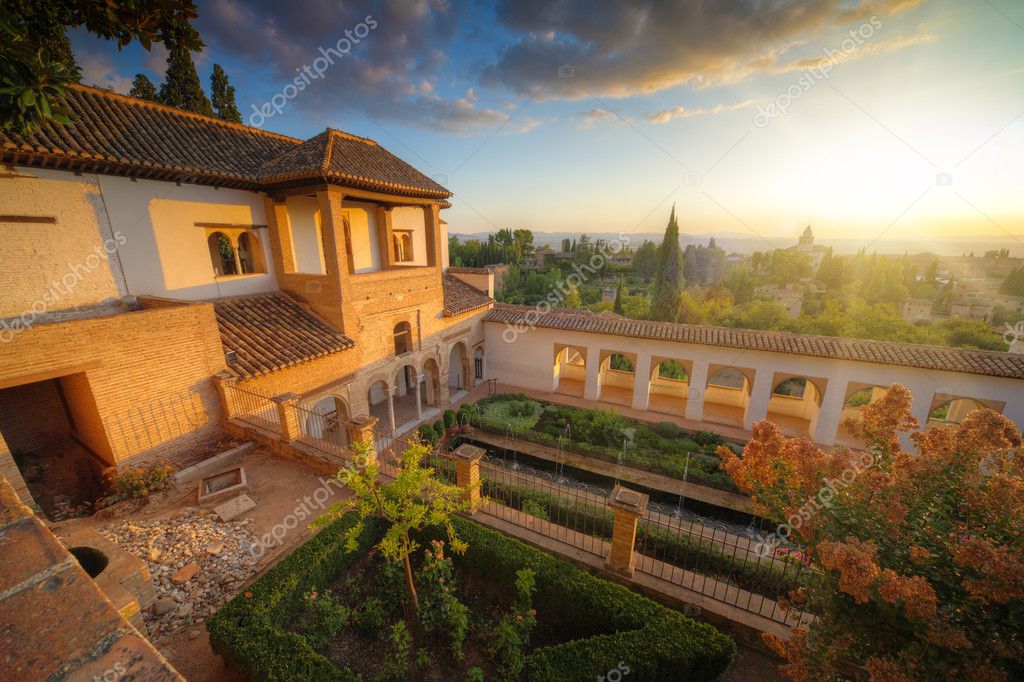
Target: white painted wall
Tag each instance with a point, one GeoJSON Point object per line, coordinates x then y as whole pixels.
{"type": "Point", "coordinates": [363, 228]}
{"type": "Point", "coordinates": [307, 239]}
{"type": "Point", "coordinates": [524, 358]}
{"type": "Point", "coordinates": [164, 253]}
{"type": "Point", "coordinates": [411, 218]}
{"type": "Point", "coordinates": [445, 261]}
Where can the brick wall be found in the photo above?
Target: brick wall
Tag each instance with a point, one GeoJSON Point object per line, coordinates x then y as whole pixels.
{"type": "Point", "coordinates": [48, 421]}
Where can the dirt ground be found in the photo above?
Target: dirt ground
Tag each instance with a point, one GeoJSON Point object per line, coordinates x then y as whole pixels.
{"type": "Point", "coordinates": [279, 487]}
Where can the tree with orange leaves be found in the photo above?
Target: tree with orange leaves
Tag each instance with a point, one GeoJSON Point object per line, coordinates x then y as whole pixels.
{"type": "Point", "coordinates": [918, 558]}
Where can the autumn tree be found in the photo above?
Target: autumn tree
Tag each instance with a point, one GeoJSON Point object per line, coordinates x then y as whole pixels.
{"type": "Point", "coordinates": [918, 558]}
{"type": "Point", "coordinates": [669, 275]}
{"type": "Point", "coordinates": [143, 88]}
{"type": "Point", "coordinates": [222, 94]}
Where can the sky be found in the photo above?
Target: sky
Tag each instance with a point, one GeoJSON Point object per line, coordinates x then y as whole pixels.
{"type": "Point", "coordinates": [866, 119]}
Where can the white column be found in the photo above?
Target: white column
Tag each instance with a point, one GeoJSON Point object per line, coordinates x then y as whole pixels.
{"type": "Point", "coordinates": [592, 387]}
{"type": "Point", "coordinates": [698, 383]}
{"type": "Point", "coordinates": [831, 411]}
{"type": "Point", "coordinates": [757, 408]}
{"type": "Point", "coordinates": [923, 393]}
{"type": "Point", "coordinates": [391, 410]}
{"type": "Point", "coordinates": [419, 407]}
{"type": "Point", "coordinates": [642, 381]}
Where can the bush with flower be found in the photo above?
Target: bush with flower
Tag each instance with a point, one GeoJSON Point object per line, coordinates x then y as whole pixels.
{"type": "Point", "coordinates": [439, 607]}
{"type": "Point", "coordinates": [919, 557]}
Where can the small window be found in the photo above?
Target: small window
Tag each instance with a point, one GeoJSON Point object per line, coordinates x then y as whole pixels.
{"type": "Point", "coordinates": [222, 254]}
{"type": "Point", "coordinates": [728, 377]}
{"type": "Point", "coordinates": [793, 387]}
{"type": "Point", "coordinates": [403, 247]}
{"type": "Point", "coordinates": [403, 338]}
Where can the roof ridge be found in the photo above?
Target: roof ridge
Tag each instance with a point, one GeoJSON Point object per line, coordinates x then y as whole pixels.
{"type": "Point", "coordinates": [181, 112]}
{"type": "Point", "coordinates": [342, 133]}
{"type": "Point", "coordinates": [326, 163]}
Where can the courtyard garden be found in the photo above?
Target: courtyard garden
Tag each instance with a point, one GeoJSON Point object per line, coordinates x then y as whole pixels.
{"type": "Point", "coordinates": [398, 585]}
{"type": "Point", "coordinates": [662, 448]}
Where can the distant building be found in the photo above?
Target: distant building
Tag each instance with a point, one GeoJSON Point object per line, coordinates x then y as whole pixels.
{"type": "Point", "coordinates": [916, 310]}
{"type": "Point", "coordinates": [608, 294]}
{"type": "Point", "coordinates": [806, 246]}
{"type": "Point", "coordinates": [972, 309]}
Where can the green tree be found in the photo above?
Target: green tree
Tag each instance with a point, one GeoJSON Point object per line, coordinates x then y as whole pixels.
{"type": "Point", "coordinates": [143, 88]}
{"type": "Point", "coordinates": [414, 500]}
{"type": "Point", "coordinates": [223, 96]}
{"type": "Point", "coordinates": [669, 275]}
{"type": "Point", "coordinates": [620, 295]}
{"type": "Point", "coordinates": [181, 87]}
{"type": "Point", "coordinates": [36, 64]}
{"type": "Point", "coordinates": [572, 297]}
{"type": "Point", "coordinates": [645, 261]}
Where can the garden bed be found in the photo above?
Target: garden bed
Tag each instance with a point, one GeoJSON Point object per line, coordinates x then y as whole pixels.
{"type": "Point", "coordinates": [285, 626]}
{"type": "Point", "coordinates": [663, 448]}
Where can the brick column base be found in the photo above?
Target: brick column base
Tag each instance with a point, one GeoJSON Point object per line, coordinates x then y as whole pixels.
{"type": "Point", "coordinates": [628, 506]}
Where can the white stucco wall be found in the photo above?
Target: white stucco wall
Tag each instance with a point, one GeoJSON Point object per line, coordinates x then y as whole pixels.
{"type": "Point", "coordinates": [164, 252]}
{"type": "Point", "coordinates": [362, 219]}
{"type": "Point", "coordinates": [411, 218]}
{"type": "Point", "coordinates": [304, 220]}
{"type": "Point", "coordinates": [524, 358]}
{"type": "Point", "coordinates": [75, 251]}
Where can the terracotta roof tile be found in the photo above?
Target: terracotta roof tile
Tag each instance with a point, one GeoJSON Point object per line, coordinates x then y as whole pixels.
{"type": "Point", "coordinates": [268, 332]}
{"type": "Point", "coordinates": [460, 297]}
{"type": "Point", "coordinates": [128, 136]}
{"type": "Point", "coordinates": [990, 363]}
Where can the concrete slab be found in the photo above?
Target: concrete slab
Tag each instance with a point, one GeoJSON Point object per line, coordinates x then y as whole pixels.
{"type": "Point", "coordinates": [234, 507]}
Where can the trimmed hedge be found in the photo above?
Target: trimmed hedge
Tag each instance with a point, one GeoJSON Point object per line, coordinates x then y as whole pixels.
{"type": "Point", "coordinates": [614, 624]}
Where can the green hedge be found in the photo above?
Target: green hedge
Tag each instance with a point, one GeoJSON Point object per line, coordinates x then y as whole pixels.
{"type": "Point", "coordinates": [614, 624]}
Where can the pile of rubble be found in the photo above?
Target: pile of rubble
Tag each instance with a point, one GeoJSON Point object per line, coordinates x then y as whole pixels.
{"type": "Point", "coordinates": [197, 563]}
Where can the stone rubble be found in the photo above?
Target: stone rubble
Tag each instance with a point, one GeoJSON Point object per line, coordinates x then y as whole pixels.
{"type": "Point", "coordinates": [172, 547]}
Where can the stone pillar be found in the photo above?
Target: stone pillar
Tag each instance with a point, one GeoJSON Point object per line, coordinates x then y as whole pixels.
{"type": "Point", "coordinates": [360, 430]}
{"type": "Point", "coordinates": [391, 409]}
{"type": "Point", "coordinates": [592, 386]}
{"type": "Point", "coordinates": [760, 394]}
{"type": "Point", "coordinates": [225, 383]}
{"type": "Point", "coordinates": [831, 412]}
{"type": "Point", "coordinates": [419, 406]}
{"type": "Point", "coordinates": [629, 506]}
{"type": "Point", "coordinates": [922, 396]}
{"type": "Point", "coordinates": [696, 386]}
{"type": "Point", "coordinates": [642, 381]}
{"type": "Point", "coordinates": [467, 473]}
{"type": "Point", "coordinates": [288, 416]}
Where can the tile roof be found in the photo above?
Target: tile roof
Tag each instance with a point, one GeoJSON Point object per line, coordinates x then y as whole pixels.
{"type": "Point", "coordinates": [268, 332]}
{"type": "Point", "coordinates": [123, 135]}
{"type": "Point", "coordinates": [460, 297]}
{"type": "Point", "coordinates": [990, 363]}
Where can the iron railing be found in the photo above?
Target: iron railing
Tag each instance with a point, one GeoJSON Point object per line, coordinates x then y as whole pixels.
{"type": "Point", "coordinates": [253, 407]}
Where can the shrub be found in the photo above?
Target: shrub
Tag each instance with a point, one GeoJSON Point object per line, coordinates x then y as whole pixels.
{"type": "Point", "coordinates": [131, 482]}
{"type": "Point", "coordinates": [427, 434]}
{"type": "Point", "coordinates": [667, 429]}
{"type": "Point", "coordinates": [535, 509]}
{"type": "Point", "coordinates": [448, 417]}
{"type": "Point", "coordinates": [439, 428]}
{"type": "Point", "coordinates": [707, 438]}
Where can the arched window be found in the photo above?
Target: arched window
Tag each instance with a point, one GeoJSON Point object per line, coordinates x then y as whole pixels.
{"type": "Point", "coordinates": [222, 254]}
{"type": "Point", "coordinates": [620, 363]}
{"type": "Point", "coordinates": [728, 377]}
{"type": "Point", "coordinates": [250, 254]}
{"type": "Point", "coordinates": [670, 369]}
{"type": "Point", "coordinates": [792, 387]}
{"type": "Point", "coordinates": [403, 338]}
{"type": "Point", "coordinates": [403, 247]}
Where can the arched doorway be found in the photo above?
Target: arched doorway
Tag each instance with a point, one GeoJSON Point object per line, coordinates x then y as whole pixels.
{"type": "Point", "coordinates": [858, 396]}
{"type": "Point", "coordinates": [951, 411]}
{"type": "Point", "coordinates": [406, 401]}
{"type": "Point", "coordinates": [379, 400]}
{"type": "Point", "coordinates": [326, 420]}
{"type": "Point", "coordinates": [458, 364]}
{"type": "Point", "coordinates": [430, 385]}
{"type": "Point", "coordinates": [727, 395]}
{"type": "Point", "coordinates": [670, 386]}
{"type": "Point", "coordinates": [570, 370]}
{"type": "Point", "coordinates": [795, 404]}
{"type": "Point", "coordinates": [222, 254]}
{"type": "Point", "coordinates": [615, 380]}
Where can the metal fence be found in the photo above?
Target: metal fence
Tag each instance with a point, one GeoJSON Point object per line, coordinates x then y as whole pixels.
{"type": "Point", "coordinates": [575, 517]}
{"type": "Point", "coordinates": [718, 564]}
{"type": "Point", "coordinates": [254, 408]}
{"type": "Point", "coordinates": [325, 432]}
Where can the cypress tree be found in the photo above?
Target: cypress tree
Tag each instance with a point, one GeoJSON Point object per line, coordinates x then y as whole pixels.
{"type": "Point", "coordinates": [223, 95]}
{"type": "Point", "coordinates": [620, 293]}
{"type": "Point", "coordinates": [143, 88]}
{"type": "Point", "coordinates": [668, 276]}
{"type": "Point", "coordinates": [181, 87]}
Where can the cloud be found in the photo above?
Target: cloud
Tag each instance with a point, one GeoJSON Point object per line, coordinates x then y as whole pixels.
{"type": "Point", "coordinates": [637, 47]}
{"type": "Point", "coordinates": [589, 119]}
{"type": "Point", "coordinates": [99, 70]}
{"type": "Point", "coordinates": [682, 112]}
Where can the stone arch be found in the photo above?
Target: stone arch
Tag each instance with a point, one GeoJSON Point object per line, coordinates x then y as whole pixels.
{"type": "Point", "coordinates": [794, 404]}
{"type": "Point", "coordinates": [325, 419]}
{"type": "Point", "coordinates": [727, 394]}
{"type": "Point", "coordinates": [430, 373]}
{"type": "Point", "coordinates": [616, 377]}
{"type": "Point", "coordinates": [569, 370]}
{"type": "Point", "coordinates": [223, 255]}
{"type": "Point", "coordinates": [459, 370]}
{"type": "Point", "coordinates": [251, 258]}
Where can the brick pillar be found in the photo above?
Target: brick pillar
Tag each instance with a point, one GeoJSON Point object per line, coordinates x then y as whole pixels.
{"type": "Point", "coordinates": [360, 430]}
{"type": "Point", "coordinates": [288, 416]}
{"type": "Point", "coordinates": [629, 506]}
{"type": "Point", "coordinates": [225, 382]}
{"type": "Point", "coordinates": [467, 473]}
